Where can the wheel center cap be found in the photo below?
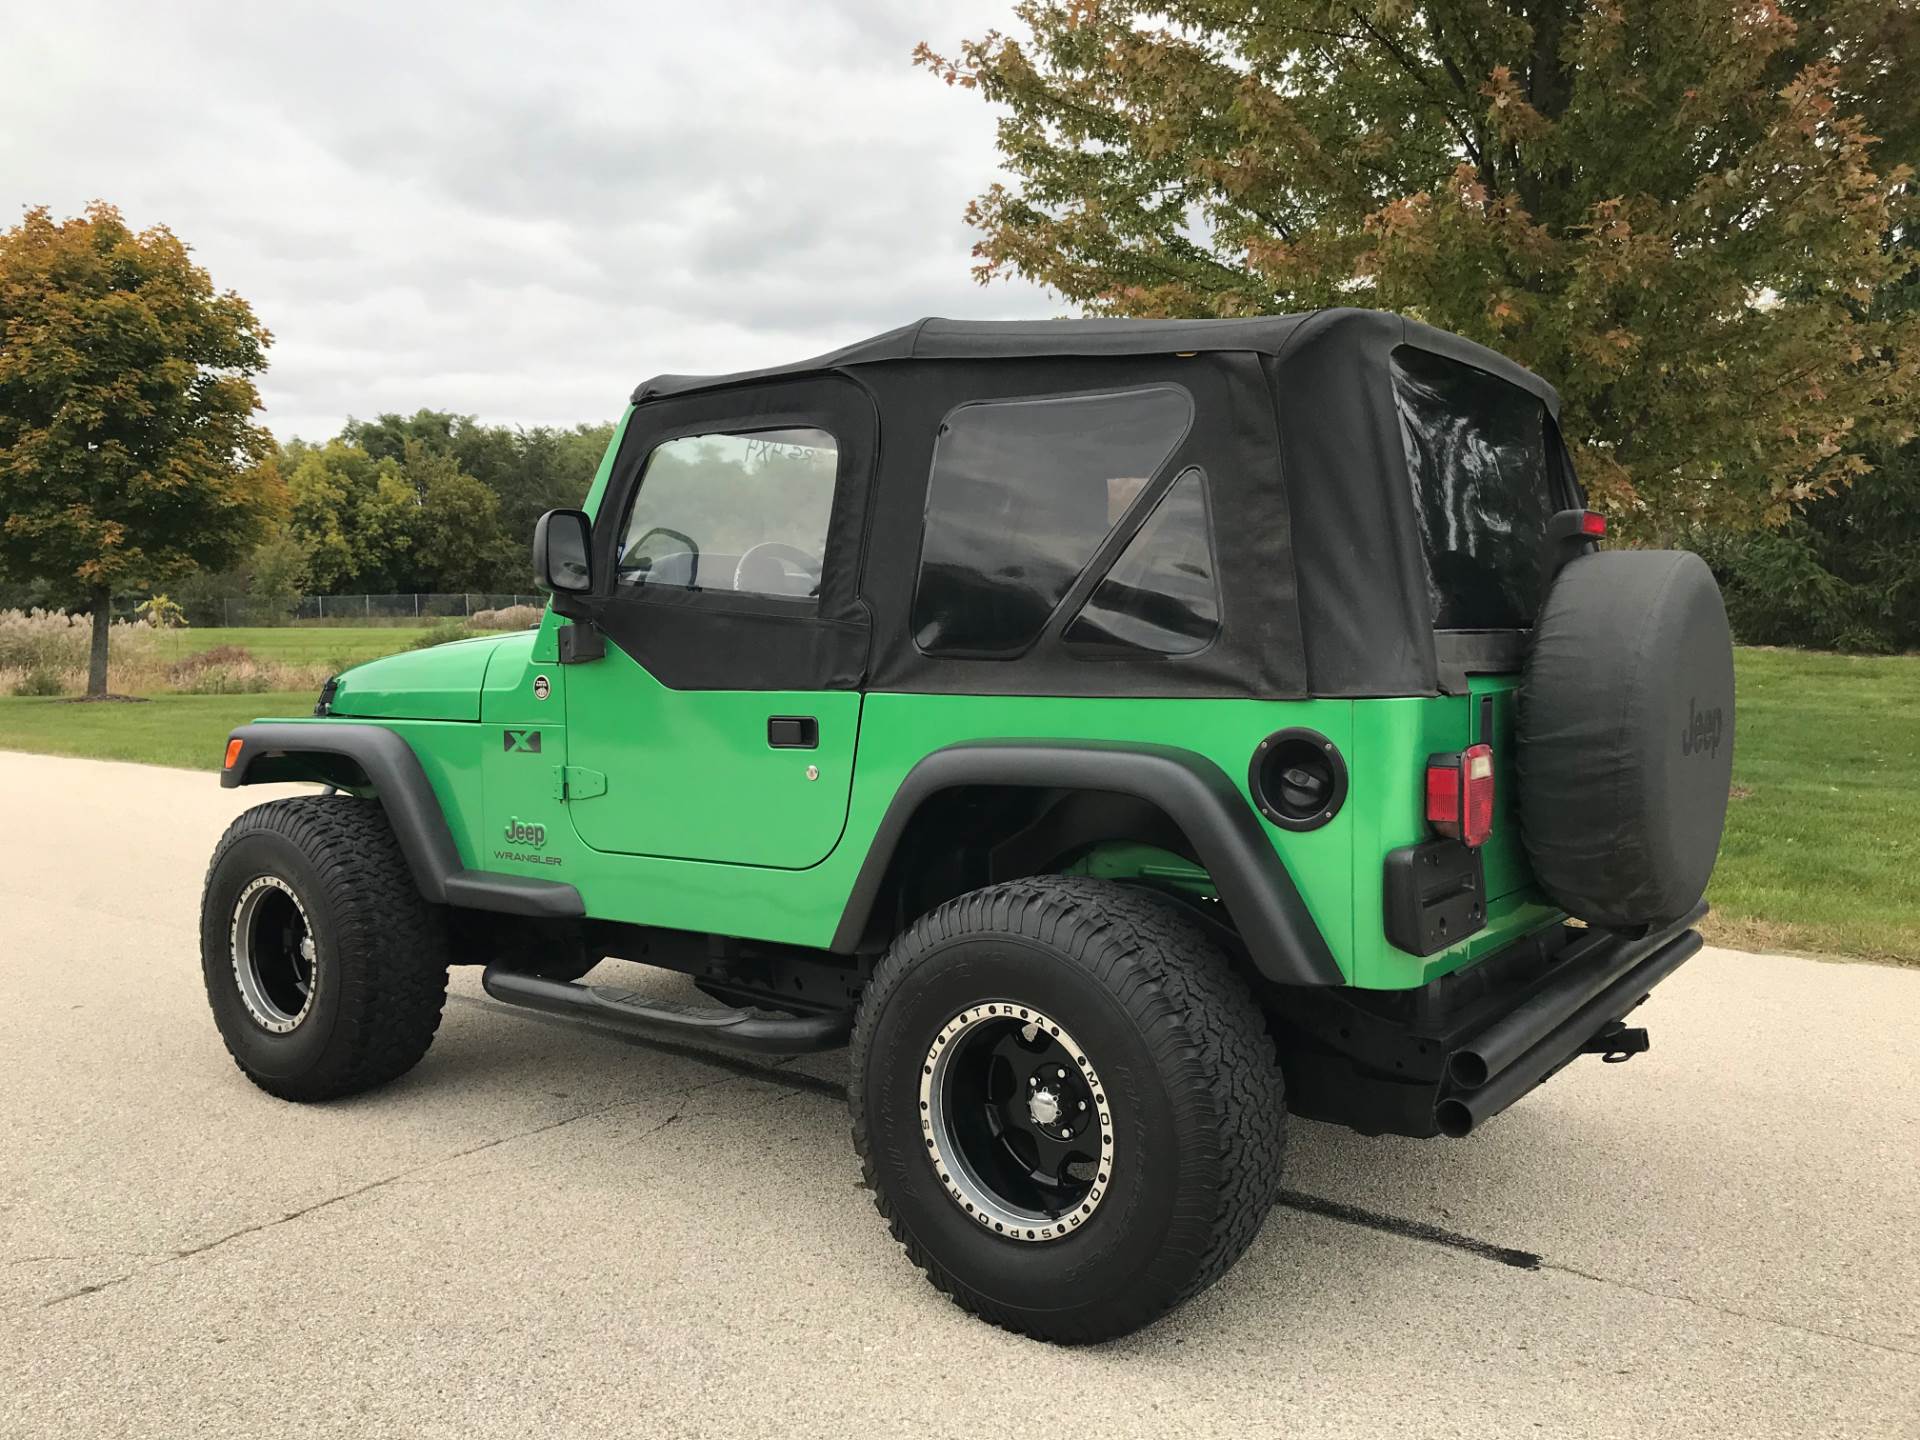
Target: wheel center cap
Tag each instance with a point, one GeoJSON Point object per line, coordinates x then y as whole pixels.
{"type": "Point", "coordinates": [1044, 1107]}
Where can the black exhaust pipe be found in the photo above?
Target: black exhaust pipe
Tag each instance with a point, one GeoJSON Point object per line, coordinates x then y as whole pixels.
{"type": "Point", "coordinates": [1513, 1034]}
{"type": "Point", "coordinates": [1458, 1114]}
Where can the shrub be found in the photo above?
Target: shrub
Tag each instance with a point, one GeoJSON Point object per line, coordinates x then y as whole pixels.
{"type": "Point", "coordinates": [1844, 574]}
{"type": "Point", "coordinates": [206, 659]}
{"type": "Point", "coordinates": [232, 677]}
{"type": "Point", "coordinates": [440, 634]}
{"type": "Point", "coordinates": [161, 613]}
{"type": "Point", "coordinates": [507, 617]}
{"type": "Point", "coordinates": [241, 674]}
{"type": "Point", "coordinates": [1779, 592]}
{"type": "Point", "coordinates": [42, 679]}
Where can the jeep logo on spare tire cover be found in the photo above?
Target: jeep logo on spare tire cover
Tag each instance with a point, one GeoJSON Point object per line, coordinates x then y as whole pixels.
{"type": "Point", "coordinates": [1702, 730]}
{"type": "Point", "coordinates": [1631, 653]}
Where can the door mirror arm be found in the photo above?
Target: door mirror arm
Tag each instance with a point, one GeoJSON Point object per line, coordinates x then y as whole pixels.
{"type": "Point", "coordinates": [581, 641]}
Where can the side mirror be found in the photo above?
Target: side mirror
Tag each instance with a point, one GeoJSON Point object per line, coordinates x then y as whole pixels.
{"type": "Point", "coordinates": [562, 552]}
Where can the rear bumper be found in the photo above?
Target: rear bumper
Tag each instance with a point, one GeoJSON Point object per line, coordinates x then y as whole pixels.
{"type": "Point", "coordinates": [1443, 1060]}
{"type": "Point", "coordinates": [1567, 1017]}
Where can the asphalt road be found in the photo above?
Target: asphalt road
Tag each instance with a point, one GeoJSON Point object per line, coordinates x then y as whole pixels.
{"type": "Point", "coordinates": [544, 1231]}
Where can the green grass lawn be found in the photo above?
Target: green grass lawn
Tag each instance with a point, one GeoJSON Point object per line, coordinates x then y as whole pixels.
{"type": "Point", "coordinates": [184, 730]}
{"type": "Point", "coordinates": [339, 645]}
{"type": "Point", "coordinates": [1822, 851]}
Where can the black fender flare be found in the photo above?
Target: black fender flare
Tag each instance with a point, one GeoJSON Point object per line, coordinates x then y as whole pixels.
{"type": "Point", "coordinates": [1280, 934]}
{"type": "Point", "coordinates": [271, 753]}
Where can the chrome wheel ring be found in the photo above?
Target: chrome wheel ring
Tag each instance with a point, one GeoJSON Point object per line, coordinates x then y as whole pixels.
{"type": "Point", "coordinates": [275, 955]}
{"type": "Point", "coordinates": [1016, 1121]}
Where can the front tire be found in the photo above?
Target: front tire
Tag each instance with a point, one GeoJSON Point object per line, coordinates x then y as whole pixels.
{"type": "Point", "coordinates": [325, 969]}
{"type": "Point", "coordinates": [988, 1026]}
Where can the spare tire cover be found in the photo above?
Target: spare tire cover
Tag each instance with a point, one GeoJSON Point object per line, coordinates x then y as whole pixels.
{"type": "Point", "coordinates": [1625, 736]}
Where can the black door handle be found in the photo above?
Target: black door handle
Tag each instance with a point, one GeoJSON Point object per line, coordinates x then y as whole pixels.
{"type": "Point", "coordinates": [793, 732]}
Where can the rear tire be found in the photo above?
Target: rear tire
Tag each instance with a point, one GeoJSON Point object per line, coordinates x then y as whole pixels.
{"type": "Point", "coordinates": [325, 969]}
{"type": "Point", "coordinates": [1072, 977]}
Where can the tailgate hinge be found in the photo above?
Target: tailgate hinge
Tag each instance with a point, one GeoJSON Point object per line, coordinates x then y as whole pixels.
{"type": "Point", "coordinates": [576, 782]}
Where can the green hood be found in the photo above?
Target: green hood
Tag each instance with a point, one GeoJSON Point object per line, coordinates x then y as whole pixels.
{"type": "Point", "coordinates": [438, 683]}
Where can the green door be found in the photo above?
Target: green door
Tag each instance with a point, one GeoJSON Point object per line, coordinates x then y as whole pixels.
{"type": "Point", "coordinates": [691, 773]}
{"type": "Point", "coordinates": [721, 723]}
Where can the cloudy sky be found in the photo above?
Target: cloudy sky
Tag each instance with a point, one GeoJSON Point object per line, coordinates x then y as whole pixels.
{"type": "Point", "coordinates": [520, 210]}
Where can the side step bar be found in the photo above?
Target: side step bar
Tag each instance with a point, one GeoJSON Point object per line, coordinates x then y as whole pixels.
{"type": "Point", "coordinates": [670, 1019]}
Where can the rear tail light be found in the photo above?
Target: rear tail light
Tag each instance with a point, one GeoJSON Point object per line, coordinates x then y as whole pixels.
{"type": "Point", "coordinates": [233, 753]}
{"type": "Point", "coordinates": [1460, 794]}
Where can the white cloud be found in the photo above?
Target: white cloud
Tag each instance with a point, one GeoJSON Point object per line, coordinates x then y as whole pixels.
{"type": "Point", "coordinates": [520, 212]}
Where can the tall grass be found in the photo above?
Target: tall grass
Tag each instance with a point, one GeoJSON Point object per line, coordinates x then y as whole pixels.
{"type": "Point", "coordinates": [52, 639]}
{"type": "Point", "coordinates": [45, 652]}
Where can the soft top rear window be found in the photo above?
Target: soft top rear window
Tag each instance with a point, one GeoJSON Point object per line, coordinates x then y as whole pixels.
{"type": "Point", "coordinates": [1488, 471]}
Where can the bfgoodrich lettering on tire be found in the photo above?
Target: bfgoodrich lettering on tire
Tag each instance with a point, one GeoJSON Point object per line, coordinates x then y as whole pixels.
{"type": "Point", "coordinates": [988, 1027]}
{"type": "Point", "coordinates": [325, 969]}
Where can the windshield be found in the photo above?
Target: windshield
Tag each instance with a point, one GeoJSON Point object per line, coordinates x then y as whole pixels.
{"type": "Point", "coordinates": [1488, 472]}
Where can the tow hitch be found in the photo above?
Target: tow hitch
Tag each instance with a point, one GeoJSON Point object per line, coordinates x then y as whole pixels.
{"type": "Point", "coordinates": [1616, 1043]}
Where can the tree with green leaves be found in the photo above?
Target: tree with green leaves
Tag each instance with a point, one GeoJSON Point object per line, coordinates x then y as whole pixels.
{"type": "Point", "coordinates": [354, 515]}
{"type": "Point", "coordinates": [1681, 211]}
{"type": "Point", "coordinates": [458, 543]}
{"type": "Point", "coordinates": [277, 575]}
{"type": "Point", "coordinates": [1844, 574]}
{"type": "Point", "coordinates": [129, 456]}
{"type": "Point", "coordinates": [528, 471]}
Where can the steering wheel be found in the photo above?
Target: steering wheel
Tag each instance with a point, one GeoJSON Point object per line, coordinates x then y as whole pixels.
{"type": "Point", "coordinates": [693, 550]}
{"type": "Point", "coordinates": [808, 565]}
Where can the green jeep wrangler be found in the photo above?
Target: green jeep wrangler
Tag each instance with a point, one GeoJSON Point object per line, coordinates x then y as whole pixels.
{"type": "Point", "coordinates": [1121, 733]}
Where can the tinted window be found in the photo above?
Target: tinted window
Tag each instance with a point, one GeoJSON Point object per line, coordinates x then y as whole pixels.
{"type": "Point", "coordinates": [1160, 594]}
{"type": "Point", "coordinates": [1021, 495]}
{"type": "Point", "coordinates": [743, 511]}
{"type": "Point", "coordinates": [1485, 462]}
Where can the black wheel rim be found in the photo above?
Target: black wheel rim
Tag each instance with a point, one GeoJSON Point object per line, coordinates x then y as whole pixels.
{"type": "Point", "coordinates": [1016, 1122]}
{"type": "Point", "coordinates": [275, 957]}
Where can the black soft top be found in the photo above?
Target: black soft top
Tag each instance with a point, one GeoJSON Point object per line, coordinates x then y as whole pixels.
{"type": "Point", "coordinates": [1324, 579]}
{"type": "Point", "coordinates": [936, 338]}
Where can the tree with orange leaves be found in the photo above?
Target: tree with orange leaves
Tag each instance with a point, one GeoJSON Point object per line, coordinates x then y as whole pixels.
{"type": "Point", "coordinates": [128, 451]}
{"type": "Point", "coordinates": [1688, 214]}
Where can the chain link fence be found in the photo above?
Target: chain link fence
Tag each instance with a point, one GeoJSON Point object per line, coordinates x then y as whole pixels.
{"type": "Point", "coordinates": [412, 609]}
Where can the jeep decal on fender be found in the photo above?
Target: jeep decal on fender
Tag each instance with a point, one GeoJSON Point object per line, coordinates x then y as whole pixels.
{"type": "Point", "coordinates": [527, 833]}
{"type": "Point", "coordinates": [521, 832]}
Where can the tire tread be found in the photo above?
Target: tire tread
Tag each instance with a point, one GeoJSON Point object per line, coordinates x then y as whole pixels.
{"type": "Point", "coordinates": [1208, 1040]}
{"type": "Point", "coordinates": [390, 945]}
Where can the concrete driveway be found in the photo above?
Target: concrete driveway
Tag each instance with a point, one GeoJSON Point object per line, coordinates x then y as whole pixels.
{"type": "Point", "coordinates": [548, 1232]}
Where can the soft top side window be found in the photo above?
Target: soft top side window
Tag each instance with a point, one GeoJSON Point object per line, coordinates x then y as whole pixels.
{"type": "Point", "coordinates": [1021, 494]}
{"type": "Point", "coordinates": [744, 511]}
